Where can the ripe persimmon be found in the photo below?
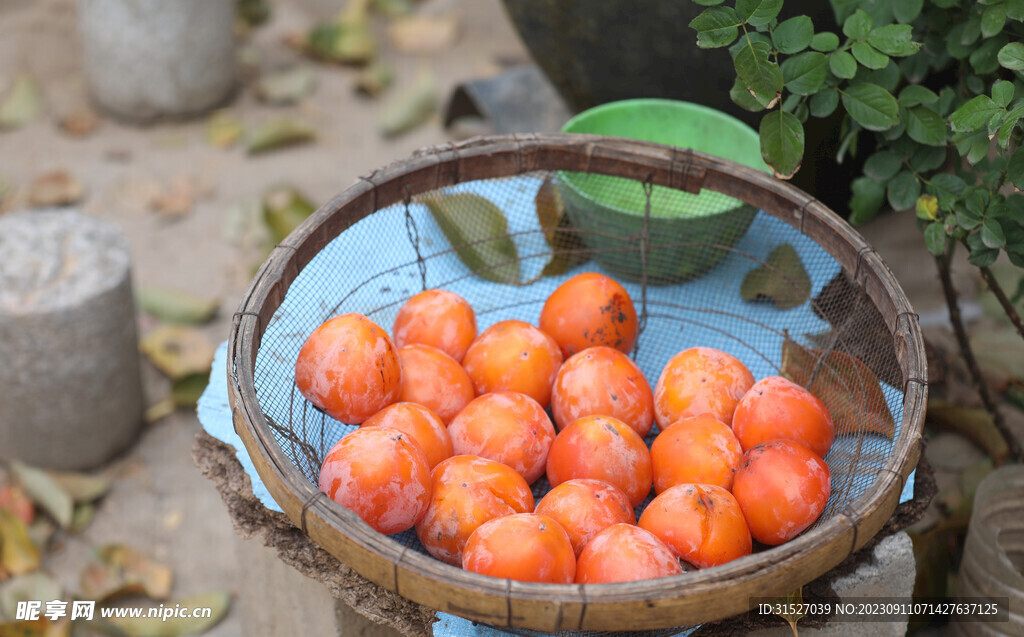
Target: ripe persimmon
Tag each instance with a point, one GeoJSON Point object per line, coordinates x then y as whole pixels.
{"type": "Point", "coordinates": [421, 424]}
{"type": "Point", "coordinates": [349, 368]}
{"type": "Point", "coordinates": [602, 448]}
{"type": "Point", "coordinates": [602, 381]}
{"type": "Point", "coordinates": [587, 310]}
{"type": "Point", "coordinates": [699, 381]}
{"type": "Point", "coordinates": [525, 546]}
{"type": "Point", "coordinates": [437, 318]}
{"type": "Point", "coordinates": [586, 507]}
{"type": "Point", "coordinates": [701, 523]}
{"type": "Point", "coordinates": [467, 491]}
{"type": "Point", "coordinates": [507, 427]}
{"type": "Point", "coordinates": [514, 356]}
{"type": "Point", "coordinates": [699, 449]}
{"type": "Point", "coordinates": [776, 407]}
{"type": "Point", "coordinates": [782, 487]}
{"type": "Point", "coordinates": [434, 379]}
{"type": "Point", "coordinates": [625, 553]}
{"type": "Point", "coordinates": [381, 475]}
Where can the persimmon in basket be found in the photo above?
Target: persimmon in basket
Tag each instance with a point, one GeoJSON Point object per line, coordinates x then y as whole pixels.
{"type": "Point", "coordinates": [587, 310]}
{"type": "Point", "coordinates": [437, 318]}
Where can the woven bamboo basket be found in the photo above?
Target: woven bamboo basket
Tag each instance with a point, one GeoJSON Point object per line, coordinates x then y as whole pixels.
{"type": "Point", "coordinates": [868, 318]}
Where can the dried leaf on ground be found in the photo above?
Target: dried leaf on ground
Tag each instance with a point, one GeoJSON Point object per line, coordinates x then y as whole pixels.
{"type": "Point", "coordinates": [41, 531]}
{"type": "Point", "coordinates": [116, 570]}
{"type": "Point", "coordinates": [347, 39]}
{"type": "Point", "coordinates": [782, 280]}
{"type": "Point", "coordinates": [421, 34]}
{"type": "Point", "coordinates": [44, 491]}
{"type": "Point", "coordinates": [185, 392]}
{"type": "Point", "coordinates": [177, 198]}
{"type": "Point", "coordinates": [176, 306]}
{"type": "Point", "coordinates": [973, 423]}
{"type": "Point", "coordinates": [478, 232]}
{"type": "Point", "coordinates": [55, 188]}
{"type": "Point", "coordinates": [36, 586]}
{"type": "Point", "coordinates": [160, 409]}
{"type": "Point", "coordinates": [284, 208]}
{"type": "Point", "coordinates": [253, 12]}
{"type": "Point", "coordinates": [82, 487]}
{"type": "Point", "coordinates": [844, 384]}
{"type": "Point", "coordinates": [287, 86]}
{"type": "Point", "coordinates": [278, 132]}
{"type": "Point", "coordinates": [224, 130]}
{"type": "Point", "coordinates": [22, 102]}
{"type": "Point", "coordinates": [178, 351]}
{"type": "Point", "coordinates": [81, 122]}
{"type": "Point", "coordinates": [18, 554]}
{"type": "Point", "coordinates": [392, 8]}
{"type": "Point", "coordinates": [217, 601]}
{"type": "Point", "coordinates": [82, 517]}
{"type": "Point", "coordinates": [14, 499]}
{"type": "Point", "coordinates": [374, 79]}
{"type": "Point", "coordinates": [409, 109]}
{"type": "Point", "coordinates": [567, 248]}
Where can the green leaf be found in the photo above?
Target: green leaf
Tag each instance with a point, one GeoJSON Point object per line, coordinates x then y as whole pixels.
{"type": "Point", "coordinates": [888, 77]}
{"type": "Point", "coordinates": [478, 231]}
{"type": "Point", "coordinates": [761, 76]}
{"type": "Point", "coordinates": [927, 207]}
{"type": "Point", "coordinates": [1015, 168]}
{"type": "Point", "coordinates": [956, 42]}
{"type": "Point", "coordinates": [964, 218]}
{"type": "Point", "coordinates": [782, 280]}
{"type": "Point", "coordinates": [992, 234]}
{"type": "Point", "coordinates": [284, 208]}
{"type": "Point", "coordinates": [741, 97]}
{"type": "Point", "coordinates": [868, 196]}
{"type": "Point", "coordinates": [782, 143]}
{"type": "Point", "coordinates": [278, 132]}
{"type": "Point", "coordinates": [858, 25]}
{"type": "Point", "coordinates": [793, 35]}
{"type": "Point", "coordinates": [882, 166]}
{"type": "Point", "coordinates": [825, 41]}
{"type": "Point", "coordinates": [869, 56]}
{"type": "Point", "coordinates": [176, 306]}
{"type": "Point", "coordinates": [218, 602]}
{"type": "Point", "coordinates": [1002, 93]}
{"type": "Point", "coordinates": [1011, 56]}
{"type": "Point", "coordinates": [993, 19]}
{"type": "Point", "coordinates": [985, 59]}
{"type": "Point", "coordinates": [45, 492]}
{"type": "Point", "coordinates": [925, 126]}
{"type": "Point", "coordinates": [916, 94]}
{"type": "Point", "coordinates": [824, 102]}
{"type": "Point", "coordinates": [842, 64]}
{"type": "Point", "coordinates": [983, 258]}
{"type": "Point", "coordinates": [185, 391]}
{"type": "Point", "coordinates": [716, 27]}
{"type": "Point", "coordinates": [935, 238]}
{"type": "Point", "coordinates": [758, 13]}
{"type": "Point", "coordinates": [871, 106]}
{"type": "Point", "coordinates": [947, 184]}
{"type": "Point", "coordinates": [804, 74]}
{"type": "Point", "coordinates": [1015, 10]}
{"type": "Point", "coordinates": [926, 158]}
{"type": "Point", "coordinates": [177, 350]}
{"type": "Point", "coordinates": [974, 114]}
{"type": "Point", "coordinates": [906, 11]}
{"type": "Point", "coordinates": [410, 108]}
{"type": "Point", "coordinates": [22, 103]}
{"type": "Point", "coordinates": [893, 39]}
{"type": "Point", "coordinates": [708, 3]}
{"type": "Point", "coordinates": [903, 191]}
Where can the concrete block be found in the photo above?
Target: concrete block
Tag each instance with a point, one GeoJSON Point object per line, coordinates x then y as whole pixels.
{"type": "Point", "coordinates": [70, 387]}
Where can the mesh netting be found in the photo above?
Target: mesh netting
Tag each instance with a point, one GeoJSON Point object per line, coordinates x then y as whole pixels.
{"type": "Point", "coordinates": [683, 259]}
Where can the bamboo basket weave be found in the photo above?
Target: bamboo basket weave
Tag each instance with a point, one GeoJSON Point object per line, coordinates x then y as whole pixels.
{"type": "Point", "coordinates": [868, 317]}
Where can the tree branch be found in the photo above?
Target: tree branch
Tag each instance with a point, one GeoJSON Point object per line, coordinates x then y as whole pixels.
{"type": "Point", "coordinates": [942, 263]}
{"type": "Point", "coordinates": [993, 284]}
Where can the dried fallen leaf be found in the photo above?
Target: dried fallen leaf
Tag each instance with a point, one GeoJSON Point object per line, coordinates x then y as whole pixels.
{"type": "Point", "coordinates": [41, 627]}
{"type": "Point", "coordinates": [284, 208]}
{"type": "Point", "coordinates": [14, 499]}
{"type": "Point", "coordinates": [82, 487]}
{"type": "Point", "coordinates": [253, 12]}
{"type": "Point", "coordinates": [478, 232]}
{"type": "Point", "coordinates": [37, 586]}
{"type": "Point", "coordinates": [567, 249]}
{"type": "Point", "coordinates": [392, 8]}
{"type": "Point", "coordinates": [223, 129]}
{"type": "Point", "coordinates": [55, 188]}
{"type": "Point", "coordinates": [421, 34]}
{"type": "Point", "coordinates": [176, 199]}
{"type": "Point", "coordinates": [278, 132]}
{"type": "Point", "coordinates": [285, 87]}
{"type": "Point", "coordinates": [185, 392]}
{"type": "Point", "coordinates": [176, 306]}
{"type": "Point", "coordinates": [973, 423]}
{"type": "Point", "coordinates": [117, 570]}
{"type": "Point", "coordinates": [81, 122]}
{"type": "Point", "coordinates": [82, 517]}
{"type": "Point", "coordinates": [846, 386]}
{"type": "Point", "coordinates": [374, 79]}
{"type": "Point", "coordinates": [18, 555]}
{"type": "Point", "coordinates": [217, 601]}
{"type": "Point", "coordinates": [409, 109]}
{"type": "Point", "coordinates": [173, 519]}
{"type": "Point", "coordinates": [22, 103]}
{"type": "Point", "coordinates": [178, 351]}
{"type": "Point", "coordinates": [347, 39]}
{"type": "Point", "coordinates": [781, 280]}
{"type": "Point", "coordinates": [41, 531]}
{"type": "Point", "coordinates": [44, 491]}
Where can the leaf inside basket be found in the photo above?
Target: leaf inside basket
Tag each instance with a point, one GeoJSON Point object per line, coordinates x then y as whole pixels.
{"type": "Point", "coordinates": [478, 232]}
{"type": "Point", "coordinates": [844, 384]}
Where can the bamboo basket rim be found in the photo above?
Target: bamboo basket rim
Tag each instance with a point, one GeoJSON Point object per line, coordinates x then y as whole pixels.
{"type": "Point", "coordinates": [691, 598]}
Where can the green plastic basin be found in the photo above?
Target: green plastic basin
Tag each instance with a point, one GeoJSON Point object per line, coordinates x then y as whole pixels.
{"type": "Point", "coordinates": [689, 232]}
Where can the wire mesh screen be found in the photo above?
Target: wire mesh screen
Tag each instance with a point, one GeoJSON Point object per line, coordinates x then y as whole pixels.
{"type": "Point", "coordinates": [702, 270]}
